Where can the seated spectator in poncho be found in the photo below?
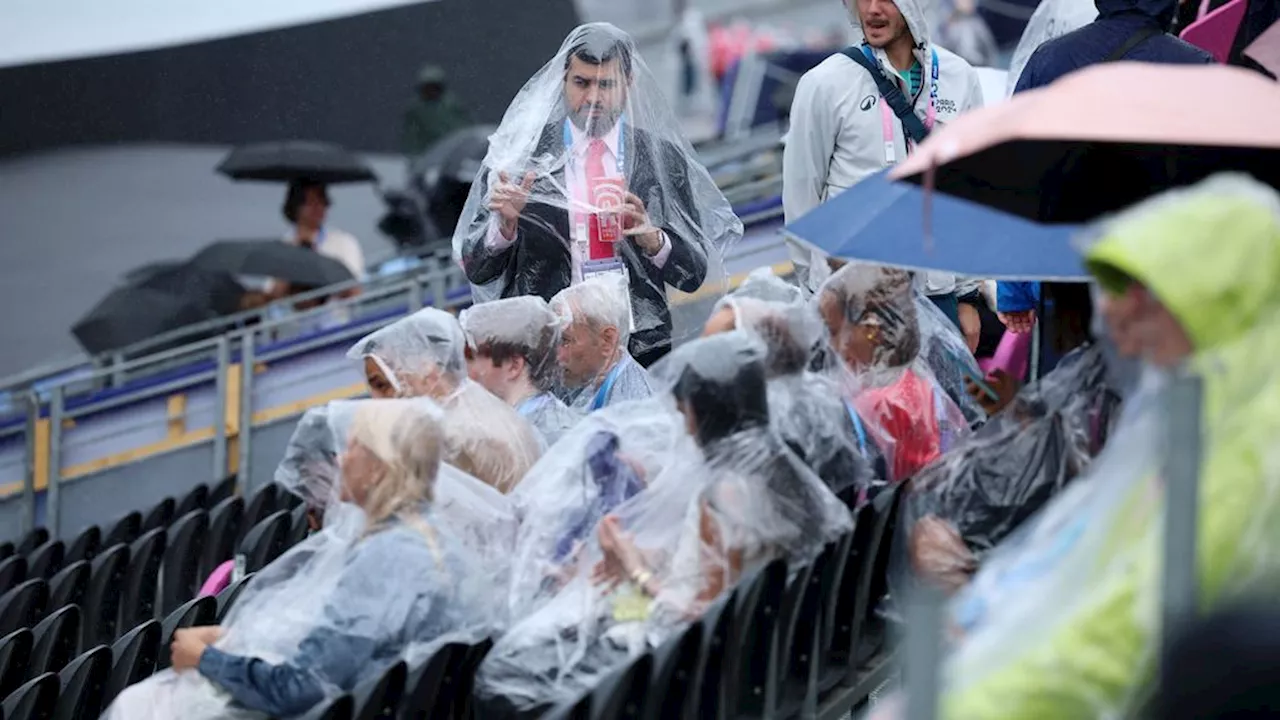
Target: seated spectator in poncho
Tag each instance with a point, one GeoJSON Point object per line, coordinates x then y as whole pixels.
{"type": "Point", "coordinates": [381, 582]}
{"type": "Point", "coordinates": [731, 498]}
{"type": "Point", "coordinates": [511, 351]}
{"type": "Point", "coordinates": [806, 407]}
{"type": "Point", "coordinates": [424, 355]}
{"type": "Point", "coordinates": [598, 369]}
{"type": "Point", "coordinates": [872, 319]}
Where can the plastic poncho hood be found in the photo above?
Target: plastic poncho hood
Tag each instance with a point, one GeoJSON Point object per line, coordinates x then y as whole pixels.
{"type": "Point", "coordinates": [309, 469]}
{"type": "Point", "coordinates": [424, 355]}
{"type": "Point", "coordinates": [588, 132]}
{"type": "Point", "coordinates": [1051, 19]}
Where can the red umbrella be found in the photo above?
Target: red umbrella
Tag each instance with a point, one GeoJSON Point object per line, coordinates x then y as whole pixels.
{"type": "Point", "coordinates": [1105, 137]}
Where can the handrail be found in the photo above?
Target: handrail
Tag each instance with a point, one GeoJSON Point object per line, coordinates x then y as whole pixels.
{"type": "Point", "coordinates": [118, 365]}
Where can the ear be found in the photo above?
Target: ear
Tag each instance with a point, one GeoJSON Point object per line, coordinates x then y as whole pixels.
{"type": "Point", "coordinates": [610, 336]}
{"type": "Point", "coordinates": [514, 368]}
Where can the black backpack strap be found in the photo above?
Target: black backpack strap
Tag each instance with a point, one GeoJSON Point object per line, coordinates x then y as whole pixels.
{"type": "Point", "coordinates": [892, 95]}
{"type": "Point", "coordinates": [1139, 36]}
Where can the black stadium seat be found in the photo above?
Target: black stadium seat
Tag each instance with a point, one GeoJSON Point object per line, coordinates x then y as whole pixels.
{"type": "Point", "coordinates": [56, 640]}
{"type": "Point", "coordinates": [22, 606]}
{"type": "Point", "coordinates": [133, 657]}
{"type": "Point", "coordinates": [228, 596]}
{"type": "Point", "coordinates": [138, 601]}
{"type": "Point", "coordinates": [71, 586]}
{"type": "Point", "coordinates": [193, 613]}
{"type": "Point", "coordinates": [265, 542]}
{"type": "Point", "coordinates": [37, 700]}
{"type": "Point", "coordinates": [85, 546]}
{"type": "Point", "coordinates": [196, 499]}
{"type": "Point", "coordinates": [160, 515]}
{"type": "Point", "coordinates": [126, 530]}
{"type": "Point", "coordinates": [225, 488]}
{"type": "Point", "coordinates": [182, 559]}
{"type": "Point", "coordinates": [12, 571]}
{"type": "Point", "coordinates": [377, 698]}
{"type": "Point", "coordinates": [46, 560]}
{"type": "Point", "coordinates": [422, 685]}
{"type": "Point", "coordinates": [84, 685]}
{"type": "Point", "coordinates": [33, 540]}
{"type": "Point", "coordinates": [225, 521]}
{"type": "Point", "coordinates": [102, 602]}
{"type": "Point", "coordinates": [675, 668]}
{"type": "Point", "coordinates": [258, 508]}
{"type": "Point", "coordinates": [15, 650]}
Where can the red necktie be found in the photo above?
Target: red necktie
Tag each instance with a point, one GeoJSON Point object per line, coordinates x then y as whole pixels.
{"type": "Point", "coordinates": [596, 249]}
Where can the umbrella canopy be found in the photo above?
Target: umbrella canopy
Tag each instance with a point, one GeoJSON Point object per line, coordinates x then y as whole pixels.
{"type": "Point", "coordinates": [456, 157]}
{"type": "Point", "coordinates": [289, 160]}
{"type": "Point", "coordinates": [293, 264]}
{"type": "Point", "coordinates": [131, 314]}
{"type": "Point", "coordinates": [882, 221]}
{"type": "Point", "coordinates": [214, 289]}
{"type": "Point", "coordinates": [1105, 137]}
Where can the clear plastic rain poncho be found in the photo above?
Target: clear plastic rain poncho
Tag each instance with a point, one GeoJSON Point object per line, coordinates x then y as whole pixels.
{"type": "Point", "coordinates": [309, 469]}
{"type": "Point", "coordinates": [1063, 620]}
{"type": "Point", "coordinates": [424, 355]}
{"type": "Point", "coordinates": [807, 408]}
{"type": "Point", "coordinates": [1052, 19]}
{"type": "Point", "coordinates": [589, 172]}
{"type": "Point", "coordinates": [382, 581]}
{"type": "Point", "coordinates": [730, 498]}
{"type": "Point", "coordinates": [964, 504]}
{"type": "Point", "coordinates": [524, 328]}
{"type": "Point", "coordinates": [894, 350]}
{"type": "Point", "coordinates": [598, 369]}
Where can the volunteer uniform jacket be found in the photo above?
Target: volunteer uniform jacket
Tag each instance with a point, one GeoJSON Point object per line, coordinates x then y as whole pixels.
{"type": "Point", "coordinates": [837, 133]}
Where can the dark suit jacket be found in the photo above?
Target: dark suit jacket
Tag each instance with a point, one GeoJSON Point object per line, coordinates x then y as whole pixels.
{"type": "Point", "coordinates": [539, 261]}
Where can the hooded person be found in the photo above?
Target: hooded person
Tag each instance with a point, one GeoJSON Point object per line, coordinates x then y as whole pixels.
{"type": "Point", "coordinates": [380, 583]}
{"type": "Point", "coordinates": [588, 174]}
{"type": "Point", "coordinates": [511, 351]}
{"type": "Point", "coordinates": [308, 471]}
{"type": "Point", "coordinates": [966, 503]}
{"type": "Point", "coordinates": [730, 498]}
{"type": "Point", "coordinates": [1051, 19]}
{"type": "Point", "coordinates": [1062, 621]}
{"type": "Point", "coordinates": [1135, 30]}
{"type": "Point", "coordinates": [596, 366]}
{"type": "Point", "coordinates": [843, 131]}
{"type": "Point", "coordinates": [873, 321]}
{"type": "Point", "coordinates": [424, 355]}
{"type": "Point", "coordinates": [805, 407]}
{"type": "Point", "coordinates": [434, 112]}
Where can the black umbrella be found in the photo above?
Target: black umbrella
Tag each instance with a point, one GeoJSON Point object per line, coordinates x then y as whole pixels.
{"type": "Point", "coordinates": [215, 289]}
{"type": "Point", "coordinates": [131, 314]}
{"type": "Point", "coordinates": [291, 263]}
{"type": "Point", "coordinates": [289, 160]}
{"type": "Point", "coordinates": [457, 156]}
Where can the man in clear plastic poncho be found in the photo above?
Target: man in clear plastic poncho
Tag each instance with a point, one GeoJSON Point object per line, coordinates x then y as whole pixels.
{"type": "Point", "coordinates": [381, 582]}
{"type": "Point", "coordinates": [806, 407]}
{"type": "Point", "coordinates": [896, 355]}
{"type": "Point", "coordinates": [1063, 621]}
{"type": "Point", "coordinates": [511, 351]}
{"type": "Point", "coordinates": [588, 174]}
{"type": "Point", "coordinates": [597, 369]}
{"type": "Point", "coordinates": [1037, 442]}
{"type": "Point", "coordinates": [730, 501]}
{"type": "Point", "coordinates": [424, 355]}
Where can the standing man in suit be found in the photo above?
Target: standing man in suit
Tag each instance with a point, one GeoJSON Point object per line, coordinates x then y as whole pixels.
{"type": "Point", "coordinates": [587, 175]}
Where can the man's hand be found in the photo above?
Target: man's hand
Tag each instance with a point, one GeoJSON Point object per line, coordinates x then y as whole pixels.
{"type": "Point", "coordinates": [1020, 322]}
{"type": "Point", "coordinates": [508, 200]}
{"type": "Point", "coordinates": [189, 644]}
{"type": "Point", "coordinates": [1005, 385]}
{"type": "Point", "coordinates": [636, 225]}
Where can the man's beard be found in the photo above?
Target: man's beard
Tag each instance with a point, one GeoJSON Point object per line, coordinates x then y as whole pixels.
{"type": "Point", "coordinates": [594, 127]}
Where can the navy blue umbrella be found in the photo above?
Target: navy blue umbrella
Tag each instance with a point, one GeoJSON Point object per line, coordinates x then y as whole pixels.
{"type": "Point", "coordinates": [883, 222]}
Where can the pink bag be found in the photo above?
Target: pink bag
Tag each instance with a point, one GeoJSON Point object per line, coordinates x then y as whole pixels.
{"type": "Point", "coordinates": [1012, 355]}
{"type": "Point", "coordinates": [218, 580]}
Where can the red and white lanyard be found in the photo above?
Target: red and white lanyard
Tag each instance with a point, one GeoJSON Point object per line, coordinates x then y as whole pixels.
{"type": "Point", "coordinates": [887, 117]}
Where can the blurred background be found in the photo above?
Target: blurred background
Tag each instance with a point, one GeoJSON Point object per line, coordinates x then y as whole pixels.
{"type": "Point", "coordinates": [116, 115]}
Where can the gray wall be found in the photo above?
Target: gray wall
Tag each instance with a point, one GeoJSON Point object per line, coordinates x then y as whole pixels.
{"type": "Point", "coordinates": [345, 80]}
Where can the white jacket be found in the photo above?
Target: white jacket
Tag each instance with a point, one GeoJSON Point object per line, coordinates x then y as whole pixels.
{"type": "Point", "coordinates": [837, 130]}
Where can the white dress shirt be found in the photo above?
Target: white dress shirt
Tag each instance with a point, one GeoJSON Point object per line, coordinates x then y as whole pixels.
{"type": "Point", "coordinates": [580, 201]}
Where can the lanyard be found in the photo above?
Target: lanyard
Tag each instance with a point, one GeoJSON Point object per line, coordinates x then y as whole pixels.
{"type": "Point", "coordinates": [602, 395]}
{"type": "Point", "coordinates": [887, 117]}
{"type": "Point", "coordinates": [621, 157]}
{"type": "Point", "coordinates": [857, 427]}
